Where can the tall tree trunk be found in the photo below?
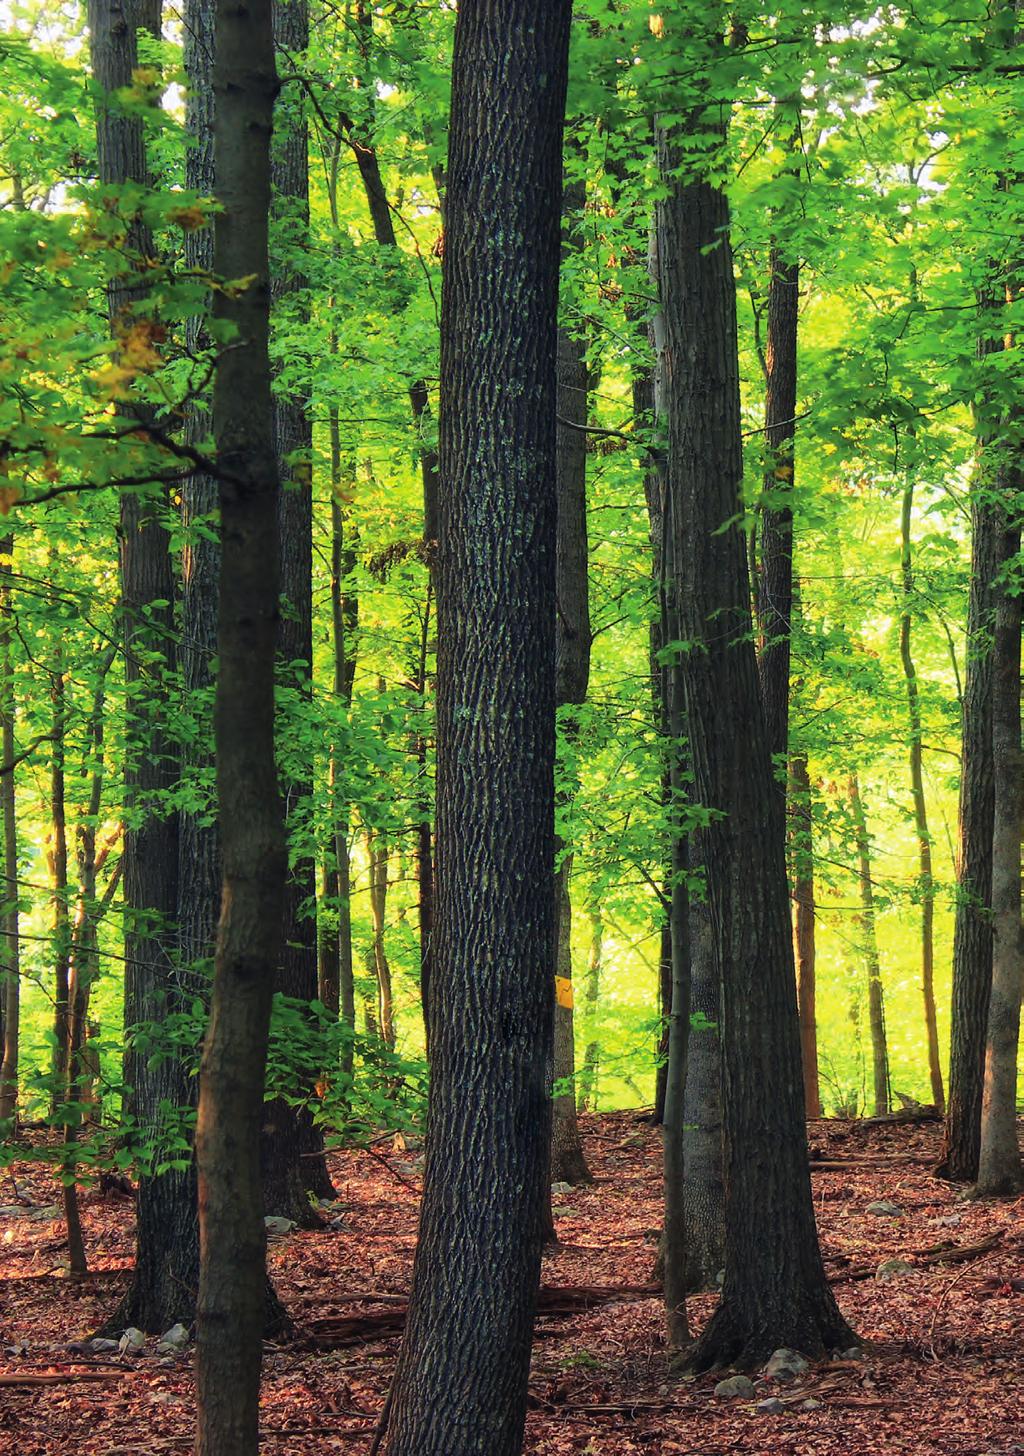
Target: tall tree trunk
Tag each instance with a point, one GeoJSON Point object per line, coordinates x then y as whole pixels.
{"type": "Point", "coordinates": [8, 806]}
{"type": "Point", "coordinates": [704, 1188]}
{"type": "Point", "coordinates": [775, 1292]}
{"type": "Point", "coordinates": [572, 678]}
{"type": "Point", "coordinates": [163, 1264]}
{"type": "Point", "coordinates": [292, 1144]}
{"type": "Point", "coordinates": [869, 950]}
{"type": "Point", "coordinates": [461, 1385]}
{"type": "Point", "coordinates": [801, 839]}
{"type": "Point", "coordinates": [924, 843]}
{"type": "Point", "coordinates": [999, 1163]}
{"type": "Point", "coordinates": [377, 854]}
{"type": "Point", "coordinates": [232, 1282]}
{"type": "Point", "coordinates": [972, 935]}
{"type": "Point", "coordinates": [58, 858]}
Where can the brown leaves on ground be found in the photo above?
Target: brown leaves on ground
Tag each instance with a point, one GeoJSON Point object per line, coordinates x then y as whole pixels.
{"type": "Point", "coordinates": [942, 1373]}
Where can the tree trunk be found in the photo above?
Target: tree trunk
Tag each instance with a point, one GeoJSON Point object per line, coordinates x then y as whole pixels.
{"type": "Point", "coordinates": [232, 1281]}
{"type": "Point", "coordinates": [163, 1281]}
{"type": "Point", "coordinates": [8, 806]}
{"type": "Point", "coordinates": [572, 679]}
{"type": "Point", "coordinates": [461, 1385]}
{"type": "Point", "coordinates": [377, 854]}
{"type": "Point", "coordinates": [999, 1163]}
{"type": "Point", "coordinates": [292, 1154]}
{"type": "Point", "coordinates": [775, 1292]}
{"type": "Point", "coordinates": [869, 950]}
{"type": "Point", "coordinates": [58, 858]}
{"type": "Point", "coordinates": [924, 843]}
{"type": "Point", "coordinates": [587, 1084]}
{"type": "Point", "coordinates": [801, 839]}
{"type": "Point", "coordinates": [704, 1190]}
{"type": "Point", "coordinates": [972, 936]}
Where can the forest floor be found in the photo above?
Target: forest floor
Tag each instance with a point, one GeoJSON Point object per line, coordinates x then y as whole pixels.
{"type": "Point", "coordinates": [943, 1366]}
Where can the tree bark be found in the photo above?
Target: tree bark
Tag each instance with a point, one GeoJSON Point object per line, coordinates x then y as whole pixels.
{"type": "Point", "coordinates": [924, 843]}
{"type": "Point", "coordinates": [775, 1292]}
{"type": "Point", "coordinates": [377, 854]}
{"type": "Point", "coordinates": [869, 950]}
{"type": "Point", "coordinates": [587, 1085]}
{"type": "Point", "coordinates": [461, 1385]}
{"type": "Point", "coordinates": [232, 1282]}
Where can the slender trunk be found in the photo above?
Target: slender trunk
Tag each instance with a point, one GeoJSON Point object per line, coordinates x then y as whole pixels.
{"type": "Point", "coordinates": [999, 1162]}
{"type": "Point", "coordinates": [924, 844]}
{"type": "Point", "coordinates": [869, 951]}
{"type": "Point", "coordinates": [801, 839]}
{"type": "Point", "coordinates": [232, 1281]}
{"type": "Point", "coordinates": [8, 805]}
{"type": "Point", "coordinates": [590, 1072]}
{"type": "Point", "coordinates": [461, 1385]}
{"type": "Point", "coordinates": [58, 858]}
{"type": "Point", "coordinates": [568, 1161]}
{"type": "Point", "coordinates": [377, 854]}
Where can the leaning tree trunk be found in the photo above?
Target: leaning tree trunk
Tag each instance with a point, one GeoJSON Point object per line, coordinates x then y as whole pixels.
{"type": "Point", "coordinates": [869, 951]}
{"type": "Point", "coordinates": [461, 1384]}
{"type": "Point", "coordinates": [924, 843]}
{"type": "Point", "coordinates": [999, 1163]}
{"type": "Point", "coordinates": [775, 1292]}
{"type": "Point", "coordinates": [292, 1144]}
{"type": "Point", "coordinates": [232, 1281]}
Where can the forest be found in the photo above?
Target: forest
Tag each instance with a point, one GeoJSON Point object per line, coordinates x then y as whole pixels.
{"type": "Point", "coordinates": [510, 727]}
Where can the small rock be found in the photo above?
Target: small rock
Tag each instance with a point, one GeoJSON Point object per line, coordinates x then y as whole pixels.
{"type": "Point", "coordinates": [786, 1365]}
{"type": "Point", "coordinates": [101, 1346]}
{"type": "Point", "coordinates": [736, 1387]}
{"type": "Point", "coordinates": [855, 1352]}
{"type": "Point", "coordinates": [174, 1340]}
{"type": "Point", "coordinates": [771, 1407]}
{"type": "Point", "coordinates": [277, 1226]}
{"type": "Point", "coordinates": [17, 1351]}
{"type": "Point", "coordinates": [166, 1397]}
{"type": "Point", "coordinates": [890, 1269]}
{"type": "Point", "coordinates": [337, 1223]}
{"type": "Point", "coordinates": [951, 1220]}
{"type": "Point", "coordinates": [811, 1404]}
{"type": "Point", "coordinates": [884, 1208]}
{"type": "Point", "coordinates": [561, 1212]}
{"type": "Point", "coordinates": [132, 1341]}
{"type": "Point", "coordinates": [558, 1190]}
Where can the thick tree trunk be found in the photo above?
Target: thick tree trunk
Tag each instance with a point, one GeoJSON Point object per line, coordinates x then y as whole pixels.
{"type": "Point", "coordinates": [869, 950]}
{"type": "Point", "coordinates": [461, 1385]}
{"type": "Point", "coordinates": [704, 1191]}
{"type": "Point", "coordinates": [924, 843]}
{"type": "Point", "coordinates": [801, 839]}
{"type": "Point", "coordinates": [11, 981]}
{"type": "Point", "coordinates": [775, 1292]}
{"type": "Point", "coordinates": [232, 1283]}
{"type": "Point", "coordinates": [999, 1162]}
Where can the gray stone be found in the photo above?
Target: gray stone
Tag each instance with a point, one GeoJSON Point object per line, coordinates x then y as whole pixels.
{"type": "Point", "coordinates": [101, 1346]}
{"type": "Point", "coordinates": [884, 1208]}
{"type": "Point", "coordinates": [561, 1212]}
{"type": "Point", "coordinates": [890, 1269]}
{"type": "Point", "coordinates": [173, 1340]}
{"type": "Point", "coordinates": [558, 1190]}
{"type": "Point", "coordinates": [771, 1407]}
{"type": "Point", "coordinates": [811, 1404]}
{"type": "Point", "coordinates": [786, 1365]}
{"type": "Point", "coordinates": [855, 1352]}
{"type": "Point", "coordinates": [277, 1227]}
{"type": "Point", "coordinates": [132, 1341]}
{"type": "Point", "coordinates": [736, 1387]}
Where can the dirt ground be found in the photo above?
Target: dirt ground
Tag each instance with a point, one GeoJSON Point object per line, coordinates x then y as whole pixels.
{"type": "Point", "coordinates": [943, 1373]}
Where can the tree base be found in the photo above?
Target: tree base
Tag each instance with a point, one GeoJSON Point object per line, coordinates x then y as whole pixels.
{"type": "Point", "coordinates": [746, 1341]}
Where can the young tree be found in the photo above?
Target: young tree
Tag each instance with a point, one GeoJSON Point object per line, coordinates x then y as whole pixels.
{"type": "Point", "coordinates": [11, 979]}
{"type": "Point", "coordinates": [776, 1292]}
{"type": "Point", "coordinates": [232, 1280]}
{"type": "Point", "coordinates": [460, 1388]}
{"type": "Point", "coordinates": [869, 950]}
